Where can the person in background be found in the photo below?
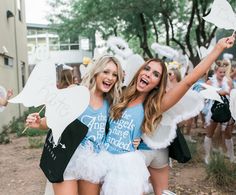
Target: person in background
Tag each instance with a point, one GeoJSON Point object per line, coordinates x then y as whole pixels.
{"type": "Point", "coordinates": [233, 74]}
{"type": "Point", "coordinates": [66, 79]}
{"type": "Point", "coordinates": [4, 100]}
{"type": "Point", "coordinates": [219, 80]}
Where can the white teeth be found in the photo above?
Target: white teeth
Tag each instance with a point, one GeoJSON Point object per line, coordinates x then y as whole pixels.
{"type": "Point", "coordinates": [144, 81]}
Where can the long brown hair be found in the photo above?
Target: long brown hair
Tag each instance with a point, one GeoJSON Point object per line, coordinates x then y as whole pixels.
{"type": "Point", "coordinates": [66, 79]}
{"type": "Point", "coordinates": [152, 103]}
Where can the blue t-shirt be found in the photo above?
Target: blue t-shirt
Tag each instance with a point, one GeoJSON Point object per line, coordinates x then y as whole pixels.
{"type": "Point", "coordinates": [122, 132]}
{"type": "Point", "coordinates": [96, 121]}
{"type": "Point", "coordinates": [197, 86]}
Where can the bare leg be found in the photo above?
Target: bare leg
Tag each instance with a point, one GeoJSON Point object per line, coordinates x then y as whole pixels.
{"type": "Point", "coordinates": [229, 141]}
{"type": "Point", "coordinates": [159, 179]}
{"type": "Point", "coordinates": [88, 188]}
{"type": "Point", "coordinates": [66, 187]}
{"type": "Point", "coordinates": [188, 129]}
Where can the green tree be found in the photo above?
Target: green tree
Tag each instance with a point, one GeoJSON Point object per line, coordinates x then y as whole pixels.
{"type": "Point", "coordinates": [177, 23]}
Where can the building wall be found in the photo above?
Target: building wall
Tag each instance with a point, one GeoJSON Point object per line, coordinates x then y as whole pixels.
{"type": "Point", "coordinates": [13, 38]}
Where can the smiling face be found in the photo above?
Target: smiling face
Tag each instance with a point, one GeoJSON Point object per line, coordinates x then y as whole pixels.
{"type": "Point", "coordinates": [149, 77]}
{"type": "Point", "coordinates": [220, 73]}
{"type": "Point", "coordinates": [106, 79]}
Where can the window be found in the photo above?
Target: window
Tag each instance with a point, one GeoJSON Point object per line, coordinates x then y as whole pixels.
{"type": "Point", "coordinates": [8, 61]}
{"type": "Point", "coordinates": [19, 9]}
{"type": "Point", "coordinates": [23, 73]}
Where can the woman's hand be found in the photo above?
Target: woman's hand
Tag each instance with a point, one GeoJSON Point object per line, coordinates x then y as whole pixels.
{"type": "Point", "coordinates": [226, 42]}
{"type": "Point", "coordinates": [9, 93]}
{"type": "Point", "coordinates": [33, 121]}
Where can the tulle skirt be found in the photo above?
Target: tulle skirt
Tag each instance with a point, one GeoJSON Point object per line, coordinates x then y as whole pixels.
{"type": "Point", "coordinates": [87, 165]}
{"type": "Point", "coordinates": [127, 174]}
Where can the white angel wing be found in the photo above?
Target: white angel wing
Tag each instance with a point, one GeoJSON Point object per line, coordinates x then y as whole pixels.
{"type": "Point", "coordinates": [119, 46]}
{"type": "Point", "coordinates": [164, 50]}
{"type": "Point", "coordinates": [222, 15]}
{"type": "Point", "coordinates": [210, 92]}
{"type": "Point", "coordinates": [232, 103]}
{"type": "Point", "coordinates": [228, 56]}
{"type": "Point", "coordinates": [41, 81]}
{"type": "Point", "coordinates": [3, 94]}
{"type": "Point", "coordinates": [189, 106]}
{"type": "Point", "coordinates": [133, 63]}
{"type": "Point", "coordinates": [64, 106]}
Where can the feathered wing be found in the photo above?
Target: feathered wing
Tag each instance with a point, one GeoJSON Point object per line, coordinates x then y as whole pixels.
{"type": "Point", "coordinates": [222, 15]}
{"type": "Point", "coordinates": [41, 82]}
{"type": "Point", "coordinates": [132, 64]}
{"type": "Point", "coordinates": [232, 103]}
{"type": "Point", "coordinates": [119, 46]}
{"type": "Point", "coordinates": [164, 50]}
{"type": "Point", "coordinates": [210, 92]}
{"type": "Point", "coordinates": [189, 106]}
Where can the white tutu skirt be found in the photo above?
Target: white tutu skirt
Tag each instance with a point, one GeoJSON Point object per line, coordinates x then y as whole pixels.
{"type": "Point", "coordinates": [87, 165]}
{"type": "Point", "coordinates": [127, 174]}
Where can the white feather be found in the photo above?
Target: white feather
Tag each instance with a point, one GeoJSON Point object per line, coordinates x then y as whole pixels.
{"type": "Point", "coordinates": [119, 46]}
{"type": "Point", "coordinates": [210, 92]}
{"type": "Point", "coordinates": [164, 50]}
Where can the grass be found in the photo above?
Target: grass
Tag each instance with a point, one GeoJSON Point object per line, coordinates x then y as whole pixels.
{"type": "Point", "coordinates": [220, 171]}
{"type": "Point", "coordinates": [36, 142]}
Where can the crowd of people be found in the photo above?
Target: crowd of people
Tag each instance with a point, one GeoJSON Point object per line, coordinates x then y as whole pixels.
{"type": "Point", "coordinates": [112, 158]}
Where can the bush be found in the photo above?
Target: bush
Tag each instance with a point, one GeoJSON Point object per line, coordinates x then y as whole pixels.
{"type": "Point", "coordinates": [220, 172]}
{"type": "Point", "coordinates": [4, 137]}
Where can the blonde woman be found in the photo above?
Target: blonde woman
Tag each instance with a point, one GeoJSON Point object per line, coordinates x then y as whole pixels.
{"type": "Point", "coordinates": [219, 80]}
{"type": "Point", "coordinates": [84, 171]}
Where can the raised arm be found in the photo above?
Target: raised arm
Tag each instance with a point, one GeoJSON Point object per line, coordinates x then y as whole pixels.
{"type": "Point", "coordinates": [175, 94]}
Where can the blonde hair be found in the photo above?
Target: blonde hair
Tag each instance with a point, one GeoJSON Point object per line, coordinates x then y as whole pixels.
{"type": "Point", "coordinates": [152, 103]}
{"type": "Point", "coordinates": [66, 79]}
{"type": "Point", "coordinates": [89, 79]}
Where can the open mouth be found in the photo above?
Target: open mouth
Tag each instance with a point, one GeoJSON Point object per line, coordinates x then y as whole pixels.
{"type": "Point", "coordinates": [144, 82]}
{"type": "Point", "coordinates": [106, 84]}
